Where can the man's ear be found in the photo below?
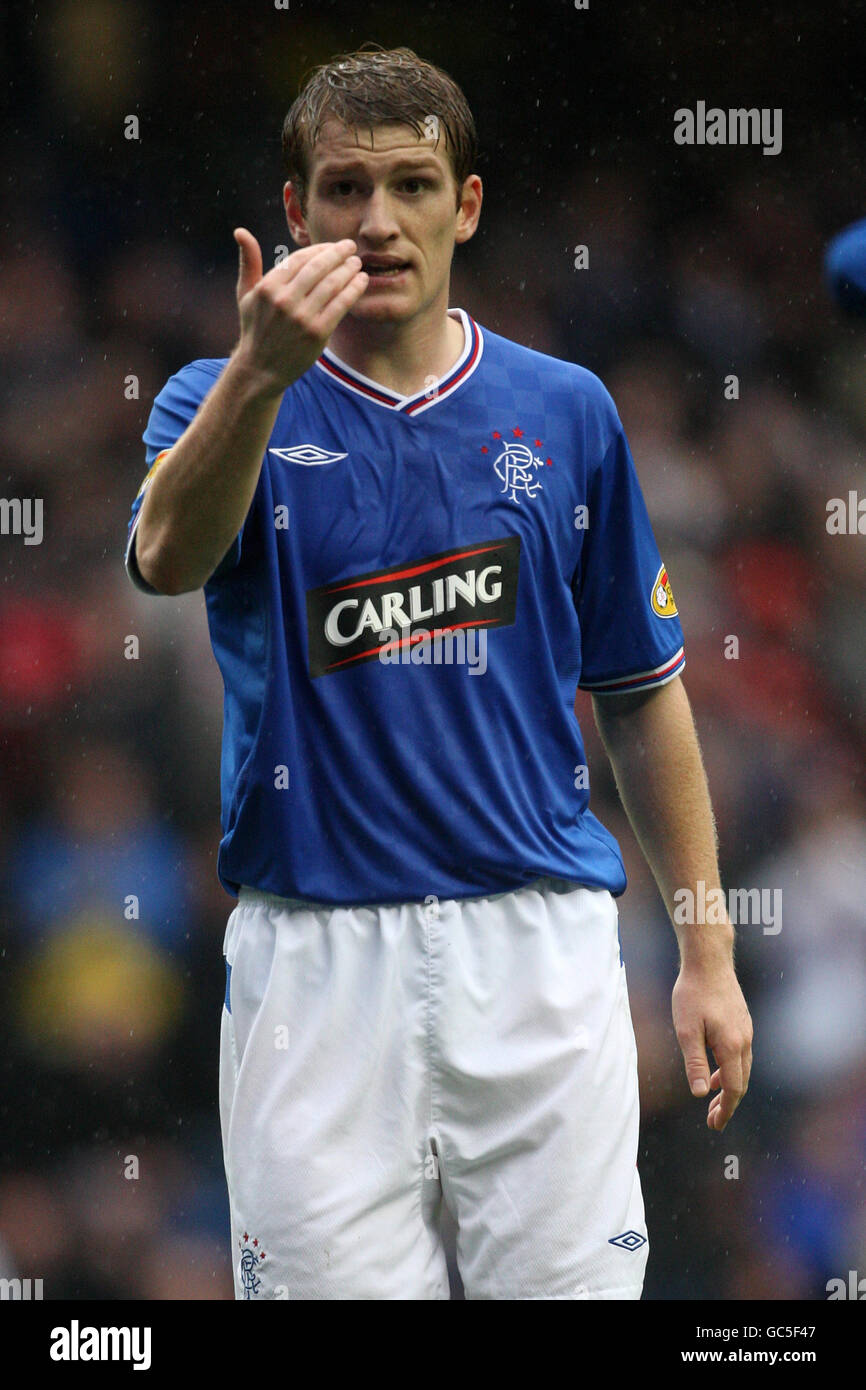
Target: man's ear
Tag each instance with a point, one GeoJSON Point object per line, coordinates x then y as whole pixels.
{"type": "Point", "coordinates": [468, 208]}
{"type": "Point", "coordinates": [295, 215]}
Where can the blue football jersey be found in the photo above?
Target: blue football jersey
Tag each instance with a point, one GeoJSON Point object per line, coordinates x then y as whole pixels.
{"type": "Point", "coordinates": [419, 586]}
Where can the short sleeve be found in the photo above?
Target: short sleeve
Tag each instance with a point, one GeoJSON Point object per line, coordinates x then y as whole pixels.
{"type": "Point", "coordinates": [631, 637]}
{"type": "Point", "coordinates": [173, 410]}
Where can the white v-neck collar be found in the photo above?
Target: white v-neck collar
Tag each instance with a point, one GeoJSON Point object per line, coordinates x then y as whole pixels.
{"type": "Point", "coordinates": [352, 380]}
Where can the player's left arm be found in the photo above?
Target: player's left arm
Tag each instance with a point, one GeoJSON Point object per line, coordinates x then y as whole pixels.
{"type": "Point", "coordinates": [652, 743]}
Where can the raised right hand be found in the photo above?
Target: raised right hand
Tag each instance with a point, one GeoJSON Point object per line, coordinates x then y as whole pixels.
{"type": "Point", "coordinates": [288, 315]}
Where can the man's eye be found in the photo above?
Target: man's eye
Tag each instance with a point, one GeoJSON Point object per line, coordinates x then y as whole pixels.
{"type": "Point", "coordinates": [415, 185]}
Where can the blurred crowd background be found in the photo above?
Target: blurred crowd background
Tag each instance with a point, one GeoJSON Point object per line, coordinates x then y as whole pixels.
{"type": "Point", "coordinates": [117, 262]}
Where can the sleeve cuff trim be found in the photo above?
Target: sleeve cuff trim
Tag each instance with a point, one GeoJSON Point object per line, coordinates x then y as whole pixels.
{"type": "Point", "coordinates": [132, 564]}
{"type": "Point", "coordinates": [639, 680]}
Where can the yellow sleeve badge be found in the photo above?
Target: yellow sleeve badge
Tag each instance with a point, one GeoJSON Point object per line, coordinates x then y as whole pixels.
{"type": "Point", "coordinates": [150, 472]}
{"type": "Point", "coordinates": [662, 595]}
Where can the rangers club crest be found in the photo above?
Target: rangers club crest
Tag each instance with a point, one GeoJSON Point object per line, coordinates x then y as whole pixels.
{"type": "Point", "coordinates": [515, 464]}
{"type": "Point", "coordinates": [251, 1258]}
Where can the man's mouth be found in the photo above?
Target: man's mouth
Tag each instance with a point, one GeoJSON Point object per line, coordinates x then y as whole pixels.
{"type": "Point", "coordinates": [383, 270]}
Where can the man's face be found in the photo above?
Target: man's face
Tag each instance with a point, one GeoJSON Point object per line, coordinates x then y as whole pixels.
{"type": "Point", "coordinates": [394, 193]}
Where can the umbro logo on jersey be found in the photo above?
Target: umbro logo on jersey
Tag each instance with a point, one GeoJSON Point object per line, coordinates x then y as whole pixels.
{"type": "Point", "coordinates": [474, 586]}
{"type": "Point", "coordinates": [307, 454]}
{"type": "Point", "coordinates": [629, 1240]}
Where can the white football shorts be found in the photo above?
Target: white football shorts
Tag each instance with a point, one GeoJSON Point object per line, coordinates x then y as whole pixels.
{"type": "Point", "coordinates": [377, 1061]}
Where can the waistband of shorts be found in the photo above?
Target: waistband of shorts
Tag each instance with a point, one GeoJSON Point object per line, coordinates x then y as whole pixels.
{"type": "Point", "coordinates": [544, 883]}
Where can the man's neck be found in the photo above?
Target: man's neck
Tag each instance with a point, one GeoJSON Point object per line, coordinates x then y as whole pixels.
{"type": "Point", "coordinates": [400, 356]}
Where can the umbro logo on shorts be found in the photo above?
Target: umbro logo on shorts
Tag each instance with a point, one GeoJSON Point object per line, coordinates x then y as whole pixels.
{"type": "Point", "coordinates": [474, 586]}
{"type": "Point", "coordinates": [307, 455]}
{"type": "Point", "coordinates": [629, 1240]}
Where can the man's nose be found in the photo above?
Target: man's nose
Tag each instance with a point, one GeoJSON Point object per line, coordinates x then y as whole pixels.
{"type": "Point", "coordinates": [378, 222]}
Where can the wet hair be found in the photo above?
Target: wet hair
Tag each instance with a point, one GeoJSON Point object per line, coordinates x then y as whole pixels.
{"type": "Point", "coordinates": [376, 86]}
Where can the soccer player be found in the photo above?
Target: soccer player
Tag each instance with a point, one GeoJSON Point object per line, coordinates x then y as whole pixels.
{"type": "Point", "coordinates": [425, 995]}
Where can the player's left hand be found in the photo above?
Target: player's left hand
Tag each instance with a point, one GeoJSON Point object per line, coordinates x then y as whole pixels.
{"type": "Point", "coordinates": [709, 1011]}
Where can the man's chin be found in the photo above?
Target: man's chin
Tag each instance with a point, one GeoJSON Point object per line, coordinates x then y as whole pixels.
{"type": "Point", "coordinates": [383, 308]}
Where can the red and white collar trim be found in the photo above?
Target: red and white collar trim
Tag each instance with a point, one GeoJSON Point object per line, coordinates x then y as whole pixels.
{"type": "Point", "coordinates": [422, 400]}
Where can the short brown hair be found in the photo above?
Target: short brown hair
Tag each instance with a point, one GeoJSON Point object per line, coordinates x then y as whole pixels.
{"type": "Point", "coordinates": [376, 86]}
